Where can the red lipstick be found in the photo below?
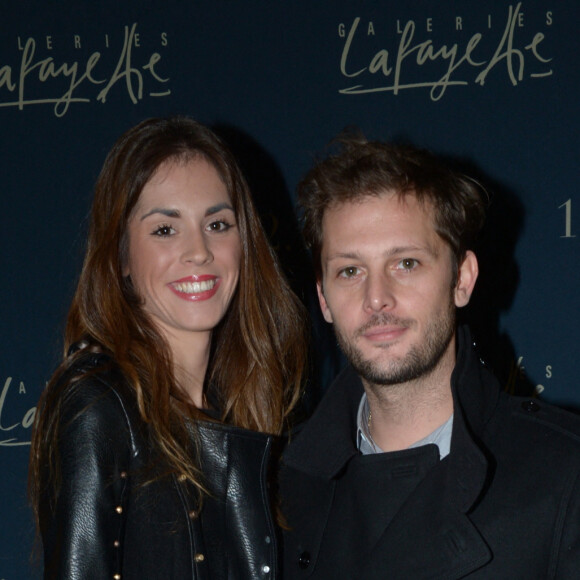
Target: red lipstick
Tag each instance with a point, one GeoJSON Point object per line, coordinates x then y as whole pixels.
{"type": "Point", "coordinates": [195, 288]}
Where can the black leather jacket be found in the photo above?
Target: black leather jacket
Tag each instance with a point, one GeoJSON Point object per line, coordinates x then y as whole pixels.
{"type": "Point", "coordinates": [106, 525]}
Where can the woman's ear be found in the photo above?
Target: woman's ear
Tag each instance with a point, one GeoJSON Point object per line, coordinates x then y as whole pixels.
{"type": "Point", "coordinates": [466, 277]}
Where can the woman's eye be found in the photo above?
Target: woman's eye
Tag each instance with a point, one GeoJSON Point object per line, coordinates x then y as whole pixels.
{"type": "Point", "coordinates": [349, 272]}
{"type": "Point", "coordinates": [219, 226]}
{"type": "Point", "coordinates": [163, 231]}
{"type": "Point", "coordinates": [408, 264]}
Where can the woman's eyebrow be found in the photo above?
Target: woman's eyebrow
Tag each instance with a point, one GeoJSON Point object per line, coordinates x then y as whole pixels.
{"type": "Point", "coordinates": [173, 213]}
{"type": "Point", "coordinates": [215, 208]}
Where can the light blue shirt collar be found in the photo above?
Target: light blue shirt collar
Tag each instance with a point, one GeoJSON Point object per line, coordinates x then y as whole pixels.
{"type": "Point", "coordinates": [440, 437]}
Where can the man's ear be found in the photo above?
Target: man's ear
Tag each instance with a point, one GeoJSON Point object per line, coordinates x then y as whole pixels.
{"type": "Point", "coordinates": [466, 277]}
{"type": "Point", "coordinates": [322, 300]}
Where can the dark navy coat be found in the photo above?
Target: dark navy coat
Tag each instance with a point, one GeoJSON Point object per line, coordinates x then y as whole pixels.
{"type": "Point", "coordinates": [504, 504]}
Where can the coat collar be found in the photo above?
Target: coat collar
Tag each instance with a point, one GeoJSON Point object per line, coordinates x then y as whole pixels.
{"type": "Point", "coordinates": [327, 441]}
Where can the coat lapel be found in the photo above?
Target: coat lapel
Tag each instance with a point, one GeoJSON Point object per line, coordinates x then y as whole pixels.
{"type": "Point", "coordinates": [316, 455]}
{"type": "Point", "coordinates": [430, 537]}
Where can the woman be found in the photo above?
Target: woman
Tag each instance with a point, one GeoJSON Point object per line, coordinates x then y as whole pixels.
{"type": "Point", "coordinates": [183, 342]}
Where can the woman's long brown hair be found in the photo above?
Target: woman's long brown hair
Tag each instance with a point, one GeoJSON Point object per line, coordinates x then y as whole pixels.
{"type": "Point", "coordinates": [258, 350]}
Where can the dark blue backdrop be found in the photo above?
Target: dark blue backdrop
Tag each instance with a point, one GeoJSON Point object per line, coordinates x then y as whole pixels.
{"type": "Point", "coordinates": [494, 86]}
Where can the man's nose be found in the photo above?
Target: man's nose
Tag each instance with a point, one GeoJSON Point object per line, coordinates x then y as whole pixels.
{"type": "Point", "coordinates": [379, 293]}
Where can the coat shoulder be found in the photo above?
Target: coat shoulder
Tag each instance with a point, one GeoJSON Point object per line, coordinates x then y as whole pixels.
{"type": "Point", "coordinates": [533, 431]}
{"type": "Point", "coordinates": [538, 414]}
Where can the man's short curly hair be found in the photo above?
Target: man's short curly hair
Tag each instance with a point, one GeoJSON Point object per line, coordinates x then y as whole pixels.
{"type": "Point", "coordinates": [363, 168]}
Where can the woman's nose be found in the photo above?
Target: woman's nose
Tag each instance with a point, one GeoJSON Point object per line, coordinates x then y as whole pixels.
{"type": "Point", "coordinates": [197, 250]}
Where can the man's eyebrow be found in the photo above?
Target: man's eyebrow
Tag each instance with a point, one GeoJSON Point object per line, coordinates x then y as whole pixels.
{"type": "Point", "coordinates": [412, 249]}
{"type": "Point", "coordinates": [398, 250]}
{"type": "Point", "coordinates": [343, 255]}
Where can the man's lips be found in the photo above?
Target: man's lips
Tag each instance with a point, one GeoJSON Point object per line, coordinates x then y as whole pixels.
{"type": "Point", "coordinates": [195, 288]}
{"type": "Point", "coordinates": [383, 333]}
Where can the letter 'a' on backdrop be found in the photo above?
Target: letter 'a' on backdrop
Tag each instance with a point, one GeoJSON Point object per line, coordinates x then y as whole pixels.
{"type": "Point", "coordinates": [491, 86]}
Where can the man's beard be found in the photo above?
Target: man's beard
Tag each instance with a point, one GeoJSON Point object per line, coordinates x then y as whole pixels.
{"type": "Point", "coordinates": [421, 359]}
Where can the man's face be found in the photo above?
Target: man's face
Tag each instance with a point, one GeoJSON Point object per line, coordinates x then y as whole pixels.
{"type": "Point", "coordinates": [389, 287]}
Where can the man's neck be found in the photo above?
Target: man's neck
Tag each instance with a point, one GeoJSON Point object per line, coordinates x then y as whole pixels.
{"type": "Point", "coordinates": [403, 414]}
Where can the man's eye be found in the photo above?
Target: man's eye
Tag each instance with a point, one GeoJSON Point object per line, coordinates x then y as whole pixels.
{"type": "Point", "coordinates": [408, 264]}
{"type": "Point", "coordinates": [348, 272]}
{"type": "Point", "coordinates": [163, 231]}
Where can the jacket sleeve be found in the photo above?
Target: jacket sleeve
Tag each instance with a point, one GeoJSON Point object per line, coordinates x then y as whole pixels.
{"type": "Point", "coordinates": [82, 526]}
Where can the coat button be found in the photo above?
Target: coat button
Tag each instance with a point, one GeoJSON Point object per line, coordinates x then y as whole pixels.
{"type": "Point", "coordinates": [530, 406]}
{"type": "Point", "coordinates": [304, 560]}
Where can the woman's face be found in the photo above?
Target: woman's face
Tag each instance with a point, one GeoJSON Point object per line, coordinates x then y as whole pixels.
{"type": "Point", "coordinates": [184, 249]}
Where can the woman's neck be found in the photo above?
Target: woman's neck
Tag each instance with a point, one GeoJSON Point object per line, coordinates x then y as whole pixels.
{"type": "Point", "coordinates": [190, 361]}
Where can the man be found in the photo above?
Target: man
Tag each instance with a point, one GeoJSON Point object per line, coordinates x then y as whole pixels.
{"type": "Point", "coordinates": [415, 465]}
